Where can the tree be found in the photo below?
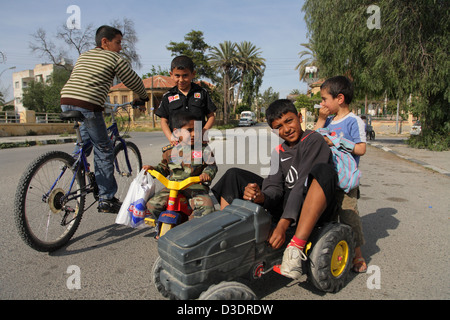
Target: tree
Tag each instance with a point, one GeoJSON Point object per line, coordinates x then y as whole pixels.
{"type": "Point", "coordinates": [268, 96]}
{"type": "Point", "coordinates": [155, 72]}
{"type": "Point", "coordinates": [309, 60]}
{"type": "Point", "coordinates": [224, 58]}
{"type": "Point", "coordinates": [197, 49]}
{"type": "Point", "coordinates": [45, 97]}
{"type": "Point", "coordinates": [248, 59]}
{"type": "Point", "coordinates": [407, 53]}
{"type": "Point", "coordinates": [251, 84]}
{"type": "Point", "coordinates": [80, 40]}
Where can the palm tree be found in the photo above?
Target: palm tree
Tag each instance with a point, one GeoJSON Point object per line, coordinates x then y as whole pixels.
{"type": "Point", "coordinates": [248, 59]}
{"type": "Point", "coordinates": [224, 58]}
{"type": "Point", "coordinates": [310, 60]}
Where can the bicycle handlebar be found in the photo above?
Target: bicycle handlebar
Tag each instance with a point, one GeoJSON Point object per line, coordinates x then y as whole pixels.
{"type": "Point", "coordinates": [115, 106]}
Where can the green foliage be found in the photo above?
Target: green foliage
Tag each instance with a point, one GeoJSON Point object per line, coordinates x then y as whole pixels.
{"type": "Point", "coordinates": [45, 97]}
{"type": "Point", "coordinates": [196, 48]}
{"type": "Point", "coordinates": [430, 140]}
{"type": "Point", "coordinates": [303, 101]}
{"type": "Point", "coordinates": [408, 54]}
{"type": "Point", "coordinates": [155, 72]}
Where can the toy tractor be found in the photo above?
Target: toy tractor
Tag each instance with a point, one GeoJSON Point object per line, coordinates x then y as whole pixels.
{"type": "Point", "coordinates": [204, 259]}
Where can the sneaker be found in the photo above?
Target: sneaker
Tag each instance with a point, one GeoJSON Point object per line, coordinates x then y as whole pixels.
{"type": "Point", "coordinates": [291, 266]}
{"type": "Point", "coordinates": [109, 206]}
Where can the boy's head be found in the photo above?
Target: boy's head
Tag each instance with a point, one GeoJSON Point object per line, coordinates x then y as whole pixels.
{"type": "Point", "coordinates": [182, 71]}
{"type": "Point", "coordinates": [109, 38]}
{"type": "Point", "coordinates": [339, 89]}
{"type": "Point", "coordinates": [183, 124]}
{"type": "Point", "coordinates": [282, 115]}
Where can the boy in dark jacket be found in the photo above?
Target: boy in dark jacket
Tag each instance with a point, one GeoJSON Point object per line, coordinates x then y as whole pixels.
{"type": "Point", "coordinates": [298, 190]}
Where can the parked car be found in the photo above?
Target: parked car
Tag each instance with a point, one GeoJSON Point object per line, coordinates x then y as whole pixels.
{"type": "Point", "coordinates": [245, 122]}
{"type": "Point", "coordinates": [248, 118]}
{"type": "Point", "coordinates": [416, 129]}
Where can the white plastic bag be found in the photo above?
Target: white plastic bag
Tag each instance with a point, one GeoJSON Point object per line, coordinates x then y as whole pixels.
{"type": "Point", "coordinates": [133, 210]}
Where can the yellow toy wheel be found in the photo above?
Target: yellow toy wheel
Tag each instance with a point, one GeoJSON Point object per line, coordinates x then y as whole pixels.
{"type": "Point", "coordinates": [339, 258]}
{"type": "Point", "coordinates": [329, 260]}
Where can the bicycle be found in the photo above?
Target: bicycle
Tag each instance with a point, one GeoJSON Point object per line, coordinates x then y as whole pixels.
{"type": "Point", "coordinates": [51, 194]}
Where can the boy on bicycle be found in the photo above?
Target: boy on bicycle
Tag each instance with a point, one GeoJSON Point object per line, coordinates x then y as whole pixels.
{"type": "Point", "coordinates": [87, 91]}
{"type": "Point", "coordinates": [185, 96]}
{"type": "Point", "coordinates": [182, 161]}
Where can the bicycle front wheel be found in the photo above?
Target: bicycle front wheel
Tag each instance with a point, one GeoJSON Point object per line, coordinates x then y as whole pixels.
{"type": "Point", "coordinates": [48, 210]}
{"type": "Point", "coordinates": [127, 164]}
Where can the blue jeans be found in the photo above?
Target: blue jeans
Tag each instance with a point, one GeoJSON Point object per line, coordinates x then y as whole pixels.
{"type": "Point", "coordinates": [94, 128]}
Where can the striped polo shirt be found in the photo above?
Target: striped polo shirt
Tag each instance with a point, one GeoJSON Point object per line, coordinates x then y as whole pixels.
{"type": "Point", "coordinates": [92, 77]}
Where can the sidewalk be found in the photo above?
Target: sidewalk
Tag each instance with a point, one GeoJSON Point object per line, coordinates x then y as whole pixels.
{"type": "Point", "coordinates": [438, 161]}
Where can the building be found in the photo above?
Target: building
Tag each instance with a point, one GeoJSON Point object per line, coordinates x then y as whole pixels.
{"type": "Point", "coordinates": [155, 86]}
{"type": "Point", "coordinates": [21, 79]}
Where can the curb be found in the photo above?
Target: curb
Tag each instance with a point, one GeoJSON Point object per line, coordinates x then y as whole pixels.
{"type": "Point", "coordinates": [421, 163]}
{"type": "Point", "coordinates": [30, 143]}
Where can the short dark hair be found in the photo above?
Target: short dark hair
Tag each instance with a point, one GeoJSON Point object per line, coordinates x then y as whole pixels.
{"type": "Point", "coordinates": [106, 32]}
{"type": "Point", "coordinates": [180, 119]}
{"type": "Point", "coordinates": [182, 62]}
{"type": "Point", "coordinates": [339, 85]}
{"type": "Point", "coordinates": [279, 108]}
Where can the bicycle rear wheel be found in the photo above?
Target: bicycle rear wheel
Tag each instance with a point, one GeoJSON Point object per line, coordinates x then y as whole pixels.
{"type": "Point", "coordinates": [123, 172]}
{"type": "Point", "coordinates": [45, 214]}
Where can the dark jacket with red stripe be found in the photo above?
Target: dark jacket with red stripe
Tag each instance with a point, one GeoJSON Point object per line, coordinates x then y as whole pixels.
{"type": "Point", "coordinates": [290, 166]}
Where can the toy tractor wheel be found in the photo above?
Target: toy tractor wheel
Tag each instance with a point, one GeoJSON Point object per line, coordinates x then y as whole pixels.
{"type": "Point", "coordinates": [331, 257]}
{"type": "Point", "coordinates": [228, 291]}
{"type": "Point", "coordinates": [156, 270]}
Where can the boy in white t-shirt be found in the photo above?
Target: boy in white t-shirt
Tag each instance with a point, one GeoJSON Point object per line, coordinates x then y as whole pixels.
{"type": "Point", "coordinates": [335, 114]}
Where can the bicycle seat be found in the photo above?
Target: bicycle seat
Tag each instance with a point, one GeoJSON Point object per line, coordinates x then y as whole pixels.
{"type": "Point", "coordinates": [71, 115]}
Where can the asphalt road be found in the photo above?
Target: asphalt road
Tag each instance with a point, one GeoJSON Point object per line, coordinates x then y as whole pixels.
{"type": "Point", "coordinates": [404, 209]}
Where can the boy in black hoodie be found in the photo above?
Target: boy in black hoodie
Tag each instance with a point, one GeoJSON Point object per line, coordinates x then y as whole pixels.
{"type": "Point", "coordinates": [298, 190]}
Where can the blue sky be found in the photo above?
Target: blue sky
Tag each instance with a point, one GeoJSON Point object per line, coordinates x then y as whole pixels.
{"type": "Point", "coordinates": [276, 27]}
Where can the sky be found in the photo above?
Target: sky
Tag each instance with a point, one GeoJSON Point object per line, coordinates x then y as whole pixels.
{"type": "Point", "coordinates": [276, 27]}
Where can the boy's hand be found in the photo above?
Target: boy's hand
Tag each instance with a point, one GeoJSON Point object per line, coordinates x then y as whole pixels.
{"type": "Point", "coordinates": [139, 103]}
{"type": "Point", "coordinates": [253, 193]}
{"type": "Point", "coordinates": [324, 112]}
{"type": "Point", "coordinates": [204, 177]}
{"type": "Point", "coordinates": [147, 167]}
{"type": "Point", "coordinates": [278, 236]}
{"type": "Point", "coordinates": [328, 141]}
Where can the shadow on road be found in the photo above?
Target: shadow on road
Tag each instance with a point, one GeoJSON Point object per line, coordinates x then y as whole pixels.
{"type": "Point", "coordinates": [375, 227]}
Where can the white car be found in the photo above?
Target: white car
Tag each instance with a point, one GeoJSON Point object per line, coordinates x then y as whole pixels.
{"type": "Point", "coordinates": [416, 129]}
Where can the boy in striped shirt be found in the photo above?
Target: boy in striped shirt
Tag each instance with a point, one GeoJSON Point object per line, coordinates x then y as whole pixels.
{"type": "Point", "coordinates": [87, 91]}
{"type": "Point", "coordinates": [335, 114]}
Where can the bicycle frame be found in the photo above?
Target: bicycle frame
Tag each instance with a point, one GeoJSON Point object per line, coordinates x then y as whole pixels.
{"type": "Point", "coordinates": [82, 164]}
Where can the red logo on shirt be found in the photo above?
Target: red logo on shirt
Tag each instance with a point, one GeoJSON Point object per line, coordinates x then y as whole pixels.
{"type": "Point", "coordinates": [173, 98]}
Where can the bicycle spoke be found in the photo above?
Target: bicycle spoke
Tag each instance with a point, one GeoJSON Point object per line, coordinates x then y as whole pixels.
{"type": "Point", "coordinates": [46, 210]}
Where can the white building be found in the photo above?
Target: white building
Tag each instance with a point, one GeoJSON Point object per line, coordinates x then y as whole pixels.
{"type": "Point", "coordinates": [21, 79]}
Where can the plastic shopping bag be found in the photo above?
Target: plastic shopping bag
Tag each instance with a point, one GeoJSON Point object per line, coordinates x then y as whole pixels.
{"type": "Point", "coordinates": [133, 210]}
